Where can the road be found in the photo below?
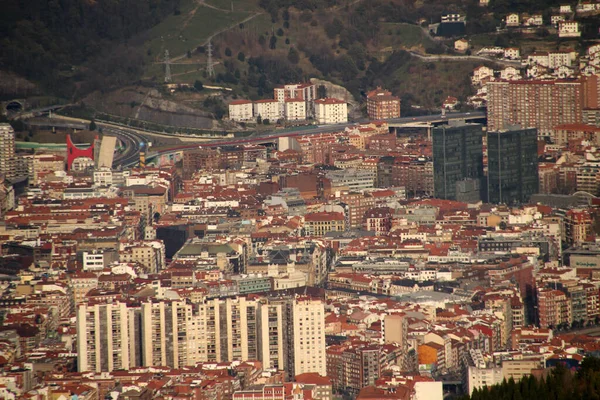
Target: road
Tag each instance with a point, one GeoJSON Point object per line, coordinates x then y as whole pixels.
{"type": "Point", "coordinates": [442, 57]}
{"type": "Point", "coordinates": [134, 139]}
{"type": "Point", "coordinates": [320, 129]}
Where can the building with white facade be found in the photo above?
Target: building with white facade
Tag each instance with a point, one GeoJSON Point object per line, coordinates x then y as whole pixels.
{"type": "Point", "coordinates": [241, 110]}
{"type": "Point", "coordinates": [267, 109]}
{"type": "Point", "coordinates": [7, 151]}
{"type": "Point", "coordinates": [295, 109]}
{"type": "Point", "coordinates": [480, 372]}
{"type": "Point", "coordinates": [568, 29]}
{"type": "Point", "coordinates": [331, 111]}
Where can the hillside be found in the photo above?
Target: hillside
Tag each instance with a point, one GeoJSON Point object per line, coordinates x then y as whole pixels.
{"type": "Point", "coordinates": [256, 45]}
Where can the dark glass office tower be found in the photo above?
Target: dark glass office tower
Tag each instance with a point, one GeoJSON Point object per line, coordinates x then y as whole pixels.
{"type": "Point", "coordinates": [512, 165]}
{"type": "Point", "coordinates": [457, 161]}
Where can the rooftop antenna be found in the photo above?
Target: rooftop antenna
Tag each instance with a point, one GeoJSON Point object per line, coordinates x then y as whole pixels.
{"type": "Point", "coordinates": [209, 64]}
{"type": "Point", "coordinates": [167, 67]}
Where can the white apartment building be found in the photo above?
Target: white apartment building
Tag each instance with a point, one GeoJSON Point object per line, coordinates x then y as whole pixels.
{"type": "Point", "coordinates": [308, 337]}
{"type": "Point", "coordinates": [568, 29]}
{"type": "Point", "coordinates": [7, 151]}
{"type": "Point", "coordinates": [270, 338]}
{"type": "Point", "coordinates": [105, 337]}
{"type": "Point", "coordinates": [267, 109]}
{"type": "Point", "coordinates": [295, 109]}
{"type": "Point", "coordinates": [331, 111]}
{"type": "Point", "coordinates": [241, 110]}
{"type": "Point", "coordinates": [558, 59]}
{"type": "Point", "coordinates": [93, 260]}
{"type": "Point", "coordinates": [480, 373]}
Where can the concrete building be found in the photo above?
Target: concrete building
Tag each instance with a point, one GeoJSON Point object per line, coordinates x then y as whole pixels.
{"type": "Point", "coordinates": [382, 105]}
{"type": "Point", "coordinates": [512, 165]}
{"type": "Point", "coordinates": [331, 111]}
{"type": "Point", "coordinates": [457, 155]}
{"type": "Point", "coordinates": [395, 329]}
{"type": "Point", "coordinates": [352, 179]}
{"type": "Point", "coordinates": [38, 164]}
{"type": "Point", "coordinates": [267, 109]}
{"type": "Point", "coordinates": [241, 110]}
{"type": "Point", "coordinates": [304, 91]}
{"type": "Point", "coordinates": [480, 372]}
{"type": "Point", "coordinates": [553, 308]}
{"type": "Point", "coordinates": [308, 337]}
{"type": "Point", "coordinates": [536, 104]}
{"type": "Point", "coordinates": [568, 29]}
{"type": "Point", "coordinates": [7, 151]}
{"type": "Point", "coordinates": [295, 109]}
{"type": "Point", "coordinates": [319, 223]}
{"type": "Point", "coordinates": [106, 337]}
{"type": "Point", "coordinates": [577, 226]}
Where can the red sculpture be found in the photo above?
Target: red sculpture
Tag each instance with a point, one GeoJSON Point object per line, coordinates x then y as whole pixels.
{"type": "Point", "coordinates": [74, 152]}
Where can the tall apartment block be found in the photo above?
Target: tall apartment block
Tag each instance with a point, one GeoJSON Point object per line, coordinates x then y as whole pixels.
{"type": "Point", "coordinates": [7, 151]}
{"type": "Point", "coordinates": [382, 105]}
{"type": "Point", "coordinates": [283, 333]}
{"type": "Point", "coordinates": [302, 91]}
{"type": "Point", "coordinates": [538, 104]}
{"type": "Point", "coordinates": [108, 337]}
{"type": "Point", "coordinates": [457, 156]}
{"type": "Point", "coordinates": [512, 165]}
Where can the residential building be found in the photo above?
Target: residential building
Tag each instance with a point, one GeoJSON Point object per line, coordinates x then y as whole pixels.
{"type": "Point", "coordinates": [536, 104]}
{"type": "Point", "coordinates": [241, 110]}
{"type": "Point", "coordinates": [319, 223]}
{"type": "Point", "coordinates": [553, 308]}
{"type": "Point", "coordinates": [382, 105]}
{"type": "Point", "coordinates": [568, 29]}
{"type": "Point", "coordinates": [577, 226]}
{"type": "Point", "coordinates": [351, 179]}
{"type": "Point", "coordinates": [267, 109]}
{"type": "Point", "coordinates": [331, 111]}
{"type": "Point", "coordinates": [306, 337]}
{"type": "Point", "coordinates": [457, 156]}
{"type": "Point", "coordinates": [7, 151]}
{"type": "Point", "coordinates": [512, 165]}
{"type": "Point", "coordinates": [305, 91]}
{"type": "Point", "coordinates": [295, 109]}
{"type": "Point", "coordinates": [480, 372]}
{"type": "Point", "coordinates": [107, 337]}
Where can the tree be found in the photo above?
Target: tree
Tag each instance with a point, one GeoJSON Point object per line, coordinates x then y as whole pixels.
{"type": "Point", "coordinates": [293, 56]}
{"type": "Point", "coordinates": [334, 28]}
{"type": "Point", "coordinates": [279, 32]}
{"type": "Point", "coordinates": [241, 56]}
{"type": "Point", "coordinates": [189, 54]}
{"type": "Point", "coordinates": [198, 85]}
{"type": "Point", "coordinates": [92, 125]}
{"type": "Point", "coordinates": [228, 52]}
{"type": "Point", "coordinates": [259, 120]}
{"type": "Point", "coordinates": [266, 121]}
{"type": "Point", "coordinates": [273, 42]}
{"type": "Point", "coordinates": [262, 41]}
{"type": "Point", "coordinates": [322, 92]}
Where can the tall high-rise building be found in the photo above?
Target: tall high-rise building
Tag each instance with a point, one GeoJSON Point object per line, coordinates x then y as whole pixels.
{"type": "Point", "coordinates": [457, 156]}
{"type": "Point", "coordinates": [108, 337]}
{"type": "Point", "coordinates": [7, 151]}
{"type": "Point", "coordinates": [283, 333]}
{"type": "Point", "coordinates": [305, 342]}
{"type": "Point", "coordinates": [512, 165]}
{"type": "Point", "coordinates": [538, 104]}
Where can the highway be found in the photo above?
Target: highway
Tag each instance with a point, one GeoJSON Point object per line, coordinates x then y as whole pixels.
{"type": "Point", "coordinates": [304, 131]}
{"type": "Point", "coordinates": [134, 139]}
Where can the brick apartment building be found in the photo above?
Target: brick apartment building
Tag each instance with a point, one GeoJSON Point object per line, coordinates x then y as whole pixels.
{"type": "Point", "coordinates": [382, 105]}
{"type": "Point", "coordinates": [534, 104]}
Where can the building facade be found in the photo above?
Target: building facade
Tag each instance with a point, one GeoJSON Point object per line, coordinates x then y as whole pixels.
{"type": "Point", "coordinates": [535, 104]}
{"type": "Point", "coordinates": [512, 166]}
{"type": "Point", "coordinates": [457, 155]}
{"type": "Point", "coordinates": [382, 105]}
{"type": "Point", "coordinates": [331, 111]}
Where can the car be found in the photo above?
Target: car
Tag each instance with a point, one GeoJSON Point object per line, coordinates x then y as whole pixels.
{"type": "Point", "coordinates": [468, 113]}
{"type": "Point", "coordinates": [414, 119]}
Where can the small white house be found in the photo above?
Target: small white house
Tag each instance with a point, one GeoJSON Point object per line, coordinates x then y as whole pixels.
{"type": "Point", "coordinates": [461, 45]}
{"type": "Point", "coordinates": [513, 20]}
{"type": "Point", "coordinates": [512, 53]}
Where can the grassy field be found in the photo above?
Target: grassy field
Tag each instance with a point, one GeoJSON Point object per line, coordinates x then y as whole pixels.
{"type": "Point", "coordinates": [191, 28]}
{"type": "Point", "coordinates": [404, 35]}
